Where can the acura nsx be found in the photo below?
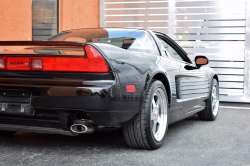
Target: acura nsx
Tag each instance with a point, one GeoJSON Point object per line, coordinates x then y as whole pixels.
{"type": "Point", "coordinates": [85, 80]}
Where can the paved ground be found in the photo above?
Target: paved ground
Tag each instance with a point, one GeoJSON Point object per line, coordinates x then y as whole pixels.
{"type": "Point", "coordinates": [225, 141]}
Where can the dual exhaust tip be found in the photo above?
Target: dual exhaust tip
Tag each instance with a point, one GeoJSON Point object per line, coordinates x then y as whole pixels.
{"type": "Point", "coordinates": [82, 126]}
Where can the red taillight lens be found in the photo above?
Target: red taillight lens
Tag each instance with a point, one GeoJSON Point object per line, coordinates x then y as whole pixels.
{"type": "Point", "coordinates": [36, 64]}
{"type": "Point", "coordinates": [95, 63]}
{"type": "Point", "coordinates": [66, 64]}
{"type": "Point", "coordinates": [18, 63]}
{"type": "Point", "coordinates": [92, 62]}
{"type": "Point", "coordinates": [2, 63]}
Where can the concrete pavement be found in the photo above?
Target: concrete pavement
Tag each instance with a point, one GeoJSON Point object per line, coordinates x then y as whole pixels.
{"type": "Point", "coordinates": [225, 141]}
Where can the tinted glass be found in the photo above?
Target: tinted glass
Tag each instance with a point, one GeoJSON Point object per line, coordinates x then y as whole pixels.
{"type": "Point", "coordinates": [129, 39]}
{"type": "Point", "coordinates": [170, 51]}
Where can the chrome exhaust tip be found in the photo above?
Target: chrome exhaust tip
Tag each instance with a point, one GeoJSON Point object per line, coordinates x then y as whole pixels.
{"type": "Point", "coordinates": [78, 128]}
{"type": "Point", "coordinates": [81, 126]}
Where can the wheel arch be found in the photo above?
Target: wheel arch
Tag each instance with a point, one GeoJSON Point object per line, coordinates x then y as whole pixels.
{"type": "Point", "coordinates": [213, 76]}
{"type": "Point", "coordinates": [163, 78]}
{"type": "Point", "coordinates": [216, 77]}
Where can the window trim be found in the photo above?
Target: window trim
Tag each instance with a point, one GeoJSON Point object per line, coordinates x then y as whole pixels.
{"type": "Point", "coordinates": [175, 46]}
{"type": "Point", "coordinates": [152, 34]}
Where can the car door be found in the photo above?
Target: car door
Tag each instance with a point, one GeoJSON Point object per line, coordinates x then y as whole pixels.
{"type": "Point", "coordinates": [192, 86]}
{"type": "Point", "coordinates": [171, 69]}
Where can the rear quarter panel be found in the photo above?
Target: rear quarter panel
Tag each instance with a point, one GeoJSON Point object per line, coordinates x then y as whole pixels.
{"type": "Point", "coordinates": [132, 68]}
{"type": "Point", "coordinates": [211, 75]}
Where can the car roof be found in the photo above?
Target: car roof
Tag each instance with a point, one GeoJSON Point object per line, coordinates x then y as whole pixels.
{"type": "Point", "coordinates": [113, 28]}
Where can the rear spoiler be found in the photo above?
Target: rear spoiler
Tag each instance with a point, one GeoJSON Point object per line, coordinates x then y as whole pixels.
{"type": "Point", "coordinates": [93, 62]}
{"type": "Point", "coordinates": [41, 43]}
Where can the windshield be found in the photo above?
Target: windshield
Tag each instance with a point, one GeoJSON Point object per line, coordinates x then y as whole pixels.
{"type": "Point", "coordinates": [129, 39]}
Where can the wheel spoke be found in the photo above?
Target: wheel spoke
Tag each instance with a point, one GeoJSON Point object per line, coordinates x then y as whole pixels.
{"type": "Point", "coordinates": [156, 135]}
{"type": "Point", "coordinates": [152, 116]}
{"type": "Point", "coordinates": [214, 95]}
{"type": "Point", "coordinates": [159, 130]}
{"type": "Point", "coordinates": [154, 127]}
{"type": "Point", "coordinates": [215, 101]}
{"type": "Point", "coordinates": [159, 119]}
{"type": "Point", "coordinates": [153, 103]}
{"type": "Point", "coordinates": [213, 106]}
{"type": "Point", "coordinates": [214, 92]}
{"type": "Point", "coordinates": [157, 103]}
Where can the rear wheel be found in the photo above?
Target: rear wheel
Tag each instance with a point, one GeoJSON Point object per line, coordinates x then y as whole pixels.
{"type": "Point", "coordinates": [211, 111]}
{"type": "Point", "coordinates": [4, 133]}
{"type": "Point", "coordinates": [149, 128]}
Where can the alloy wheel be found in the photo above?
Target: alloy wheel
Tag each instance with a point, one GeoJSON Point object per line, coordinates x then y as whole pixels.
{"type": "Point", "coordinates": [215, 100]}
{"type": "Point", "coordinates": [159, 114]}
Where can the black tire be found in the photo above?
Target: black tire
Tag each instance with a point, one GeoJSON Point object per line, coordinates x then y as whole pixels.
{"type": "Point", "coordinates": [208, 113]}
{"type": "Point", "coordinates": [139, 134]}
{"type": "Point", "coordinates": [4, 133]}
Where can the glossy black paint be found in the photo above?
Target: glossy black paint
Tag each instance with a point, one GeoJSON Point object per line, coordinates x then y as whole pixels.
{"type": "Point", "coordinates": [60, 98]}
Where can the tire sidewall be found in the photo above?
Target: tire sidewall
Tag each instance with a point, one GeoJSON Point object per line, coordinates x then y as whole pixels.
{"type": "Point", "coordinates": [210, 98]}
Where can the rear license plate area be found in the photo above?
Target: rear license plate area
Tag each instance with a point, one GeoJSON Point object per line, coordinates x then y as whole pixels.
{"type": "Point", "coordinates": [15, 102]}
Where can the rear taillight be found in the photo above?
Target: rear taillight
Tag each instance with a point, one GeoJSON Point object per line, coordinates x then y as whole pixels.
{"type": "Point", "coordinates": [18, 63]}
{"type": "Point", "coordinates": [36, 64]}
{"type": "Point", "coordinates": [91, 62]}
{"type": "Point", "coordinates": [2, 63]}
{"type": "Point", "coordinates": [95, 61]}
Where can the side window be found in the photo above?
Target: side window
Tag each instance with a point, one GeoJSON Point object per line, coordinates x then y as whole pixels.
{"type": "Point", "coordinates": [145, 44]}
{"type": "Point", "coordinates": [170, 51]}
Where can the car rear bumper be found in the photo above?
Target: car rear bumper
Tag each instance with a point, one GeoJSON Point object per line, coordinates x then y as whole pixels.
{"type": "Point", "coordinates": [55, 107]}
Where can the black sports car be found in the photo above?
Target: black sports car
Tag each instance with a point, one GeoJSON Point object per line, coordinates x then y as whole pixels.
{"type": "Point", "coordinates": [83, 80]}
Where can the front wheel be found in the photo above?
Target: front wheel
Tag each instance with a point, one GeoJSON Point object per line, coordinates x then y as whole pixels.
{"type": "Point", "coordinates": [212, 105]}
{"type": "Point", "coordinates": [149, 128]}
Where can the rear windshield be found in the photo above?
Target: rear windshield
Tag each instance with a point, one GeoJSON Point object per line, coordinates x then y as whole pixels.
{"type": "Point", "coordinates": [129, 39]}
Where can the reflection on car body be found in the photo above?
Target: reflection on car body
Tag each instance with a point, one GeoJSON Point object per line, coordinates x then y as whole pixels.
{"type": "Point", "coordinates": [83, 80]}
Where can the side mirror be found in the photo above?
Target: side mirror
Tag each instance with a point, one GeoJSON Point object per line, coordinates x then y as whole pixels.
{"type": "Point", "coordinates": [201, 60]}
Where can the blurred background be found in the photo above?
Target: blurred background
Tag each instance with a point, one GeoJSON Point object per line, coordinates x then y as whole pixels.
{"type": "Point", "coordinates": [217, 29]}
